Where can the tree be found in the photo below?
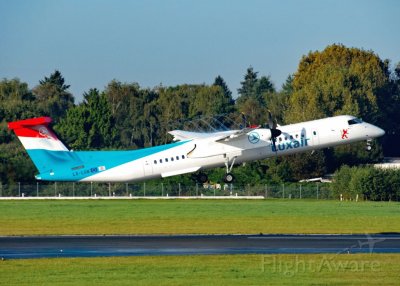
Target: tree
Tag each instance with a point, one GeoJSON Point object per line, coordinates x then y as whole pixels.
{"type": "Point", "coordinates": [219, 81]}
{"type": "Point", "coordinates": [251, 100]}
{"type": "Point", "coordinates": [53, 97]}
{"type": "Point", "coordinates": [287, 87]}
{"type": "Point", "coordinates": [55, 79]}
{"type": "Point", "coordinates": [17, 102]}
{"type": "Point", "coordinates": [249, 85]}
{"type": "Point", "coordinates": [228, 100]}
{"type": "Point", "coordinates": [338, 80]}
{"type": "Point", "coordinates": [89, 125]}
{"type": "Point", "coordinates": [389, 104]}
{"type": "Point", "coordinates": [264, 85]}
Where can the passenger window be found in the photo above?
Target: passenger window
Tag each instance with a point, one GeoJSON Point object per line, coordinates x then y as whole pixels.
{"type": "Point", "coordinates": [160, 160]}
{"type": "Point", "coordinates": [172, 159]}
{"type": "Point", "coordinates": [166, 159]}
{"type": "Point", "coordinates": [155, 161]}
{"type": "Point", "coordinates": [177, 157]}
{"type": "Point", "coordinates": [315, 132]}
{"type": "Point", "coordinates": [183, 156]}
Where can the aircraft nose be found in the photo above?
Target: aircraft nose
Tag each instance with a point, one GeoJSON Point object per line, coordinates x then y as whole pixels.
{"type": "Point", "coordinates": [377, 132]}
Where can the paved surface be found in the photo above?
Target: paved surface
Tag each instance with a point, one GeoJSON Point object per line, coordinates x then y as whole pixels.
{"type": "Point", "coordinates": [90, 246]}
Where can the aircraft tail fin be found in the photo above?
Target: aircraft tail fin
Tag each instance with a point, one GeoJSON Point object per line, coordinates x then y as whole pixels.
{"type": "Point", "coordinates": [41, 143]}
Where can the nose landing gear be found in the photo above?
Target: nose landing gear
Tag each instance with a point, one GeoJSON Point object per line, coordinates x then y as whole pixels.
{"type": "Point", "coordinates": [369, 143]}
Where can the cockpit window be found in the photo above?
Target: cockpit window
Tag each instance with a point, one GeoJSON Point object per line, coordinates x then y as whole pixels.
{"type": "Point", "coordinates": [355, 121]}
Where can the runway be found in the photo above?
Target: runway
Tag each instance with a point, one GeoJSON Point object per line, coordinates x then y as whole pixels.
{"type": "Point", "coordinates": [94, 246]}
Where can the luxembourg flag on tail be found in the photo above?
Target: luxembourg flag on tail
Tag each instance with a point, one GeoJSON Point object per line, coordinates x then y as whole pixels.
{"type": "Point", "coordinates": [44, 148]}
{"type": "Point", "coordinates": [35, 134]}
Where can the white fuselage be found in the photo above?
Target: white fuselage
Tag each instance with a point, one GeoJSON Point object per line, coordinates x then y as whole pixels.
{"type": "Point", "coordinates": [204, 152]}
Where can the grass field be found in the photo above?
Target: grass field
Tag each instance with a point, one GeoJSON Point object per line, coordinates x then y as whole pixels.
{"type": "Point", "coordinates": [196, 217]}
{"type": "Point", "coordinates": [354, 269]}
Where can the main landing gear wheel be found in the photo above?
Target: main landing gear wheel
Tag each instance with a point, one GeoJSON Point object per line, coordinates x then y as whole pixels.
{"type": "Point", "coordinates": [229, 178]}
{"type": "Point", "coordinates": [202, 178]}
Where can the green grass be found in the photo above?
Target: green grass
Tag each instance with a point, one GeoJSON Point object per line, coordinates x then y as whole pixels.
{"type": "Point", "coordinates": [196, 217]}
{"type": "Point", "coordinates": [353, 269]}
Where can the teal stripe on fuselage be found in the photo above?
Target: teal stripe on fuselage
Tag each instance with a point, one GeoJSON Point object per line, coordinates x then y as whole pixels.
{"type": "Point", "coordinates": [77, 165]}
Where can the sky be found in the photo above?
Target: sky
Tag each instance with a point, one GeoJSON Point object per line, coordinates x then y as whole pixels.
{"type": "Point", "coordinates": [172, 42]}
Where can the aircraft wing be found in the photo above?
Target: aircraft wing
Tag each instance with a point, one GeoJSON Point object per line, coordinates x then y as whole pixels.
{"type": "Point", "coordinates": [225, 136]}
{"type": "Point", "coordinates": [235, 135]}
{"type": "Point", "coordinates": [180, 135]}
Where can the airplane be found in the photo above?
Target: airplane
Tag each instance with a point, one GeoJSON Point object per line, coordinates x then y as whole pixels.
{"type": "Point", "coordinates": [192, 152]}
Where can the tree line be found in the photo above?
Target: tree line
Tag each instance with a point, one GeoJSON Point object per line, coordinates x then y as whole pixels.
{"type": "Point", "coordinates": [337, 80]}
{"type": "Point", "coordinates": [366, 183]}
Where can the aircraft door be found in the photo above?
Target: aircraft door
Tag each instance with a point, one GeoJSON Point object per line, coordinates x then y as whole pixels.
{"type": "Point", "coordinates": [147, 168]}
{"type": "Point", "coordinates": [308, 137]}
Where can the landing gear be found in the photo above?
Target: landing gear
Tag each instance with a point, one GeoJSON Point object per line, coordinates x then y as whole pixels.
{"type": "Point", "coordinates": [201, 178]}
{"type": "Point", "coordinates": [229, 178]}
{"type": "Point", "coordinates": [369, 143]}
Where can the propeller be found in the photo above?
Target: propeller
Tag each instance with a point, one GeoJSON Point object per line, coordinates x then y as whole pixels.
{"type": "Point", "coordinates": [272, 124]}
{"type": "Point", "coordinates": [244, 121]}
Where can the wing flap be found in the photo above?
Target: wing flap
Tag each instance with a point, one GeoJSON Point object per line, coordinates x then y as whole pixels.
{"type": "Point", "coordinates": [180, 172]}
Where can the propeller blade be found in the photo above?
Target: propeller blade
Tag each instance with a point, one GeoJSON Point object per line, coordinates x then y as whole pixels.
{"type": "Point", "coordinates": [275, 133]}
{"type": "Point", "coordinates": [272, 124]}
{"type": "Point", "coordinates": [270, 120]}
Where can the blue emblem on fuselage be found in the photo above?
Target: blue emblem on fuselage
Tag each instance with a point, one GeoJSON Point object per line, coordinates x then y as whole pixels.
{"type": "Point", "coordinates": [253, 137]}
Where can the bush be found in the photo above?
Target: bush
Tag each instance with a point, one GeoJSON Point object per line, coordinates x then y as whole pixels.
{"type": "Point", "coordinates": [368, 182]}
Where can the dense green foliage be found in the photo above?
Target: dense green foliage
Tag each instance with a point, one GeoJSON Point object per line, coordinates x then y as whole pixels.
{"type": "Point", "coordinates": [337, 80]}
{"type": "Point", "coordinates": [367, 182]}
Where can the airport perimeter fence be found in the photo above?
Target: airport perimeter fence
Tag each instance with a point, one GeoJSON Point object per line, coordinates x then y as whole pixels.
{"type": "Point", "coordinates": [64, 189]}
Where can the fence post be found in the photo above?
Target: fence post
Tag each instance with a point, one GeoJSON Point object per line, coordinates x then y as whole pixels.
{"type": "Point", "coordinates": [266, 191]}
{"type": "Point", "coordinates": [283, 191]}
{"type": "Point", "coordinates": [37, 189]}
{"type": "Point", "coordinates": [300, 191]}
{"type": "Point", "coordinates": [109, 189]}
{"type": "Point", "coordinates": [19, 189]}
{"type": "Point", "coordinates": [144, 189]}
{"type": "Point", "coordinates": [55, 189]}
{"type": "Point", "coordinates": [197, 189]}
{"type": "Point", "coordinates": [126, 189]}
{"type": "Point", "coordinates": [317, 190]}
{"type": "Point", "coordinates": [91, 189]}
{"type": "Point", "coordinates": [1, 189]}
{"type": "Point", "coordinates": [179, 189]}
{"type": "Point", "coordinates": [73, 189]}
{"type": "Point", "coordinates": [162, 189]}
